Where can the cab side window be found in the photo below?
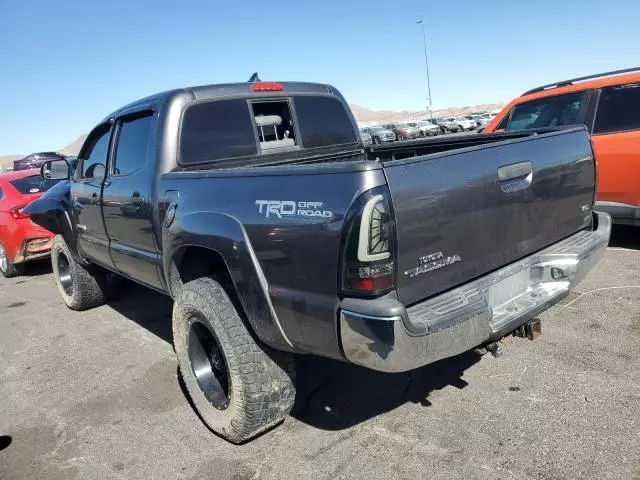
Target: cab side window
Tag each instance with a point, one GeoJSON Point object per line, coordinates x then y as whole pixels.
{"type": "Point", "coordinates": [618, 109]}
{"type": "Point", "coordinates": [132, 143]}
{"type": "Point", "coordinates": [93, 158]}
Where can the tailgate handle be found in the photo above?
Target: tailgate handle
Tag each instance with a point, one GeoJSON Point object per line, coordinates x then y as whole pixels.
{"type": "Point", "coordinates": [515, 171]}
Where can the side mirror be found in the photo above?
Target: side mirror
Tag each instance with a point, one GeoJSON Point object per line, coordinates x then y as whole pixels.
{"type": "Point", "coordinates": [55, 170]}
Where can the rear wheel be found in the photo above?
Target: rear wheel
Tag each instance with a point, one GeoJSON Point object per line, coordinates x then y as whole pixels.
{"type": "Point", "coordinates": [8, 269]}
{"type": "Point", "coordinates": [422, 134]}
{"type": "Point", "coordinates": [81, 287]}
{"type": "Point", "coordinates": [238, 386]}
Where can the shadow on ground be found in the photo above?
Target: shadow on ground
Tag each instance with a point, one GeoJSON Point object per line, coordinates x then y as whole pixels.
{"type": "Point", "coordinates": [624, 236]}
{"type": "Point", "coordinates": [36, 268]}
{"type": "Point", "coordinates": [331, 395]}
{"type": "Point", "coordinates": [146, 307]}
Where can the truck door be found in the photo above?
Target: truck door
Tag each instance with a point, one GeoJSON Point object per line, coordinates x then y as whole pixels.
{"type": "Point", "coordinates": [126, 202]}
{"type": "Point", "coordinates": [86, 192]}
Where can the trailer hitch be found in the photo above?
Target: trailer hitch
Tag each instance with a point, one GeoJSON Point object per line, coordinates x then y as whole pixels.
{"type": "Point", "coordinates": [531, 330]}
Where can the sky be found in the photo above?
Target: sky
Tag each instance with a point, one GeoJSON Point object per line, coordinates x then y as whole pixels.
{"type": "Point", "coordinates": [65, 64]}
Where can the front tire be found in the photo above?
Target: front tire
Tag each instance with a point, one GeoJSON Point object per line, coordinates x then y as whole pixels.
{"type": "Point", "coordinates": [82, 287]}
{"type": "Point", "coordinates": [239, 387]}
{"type": "Point", "coordinates": [376, 140]}
{"type": "Point", "coordinates": [8, 269]}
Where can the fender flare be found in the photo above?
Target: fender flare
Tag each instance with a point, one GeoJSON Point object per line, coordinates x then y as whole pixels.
{"type": "Point", "coordinates": [225, 236]}
{"type": "Point", "coordinates": [52, 211]}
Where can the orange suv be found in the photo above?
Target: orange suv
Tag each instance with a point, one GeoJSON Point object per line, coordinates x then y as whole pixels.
{"type": "Point", "coordinates": [609, 105]}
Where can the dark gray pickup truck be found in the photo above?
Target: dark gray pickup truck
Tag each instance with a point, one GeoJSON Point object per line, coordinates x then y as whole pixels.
{"type": "Point", "coordinates": [258, 210]}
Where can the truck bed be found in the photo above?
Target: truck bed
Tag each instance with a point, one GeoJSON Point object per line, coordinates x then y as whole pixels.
{"type": "Point", "coordinates": [463, 213]}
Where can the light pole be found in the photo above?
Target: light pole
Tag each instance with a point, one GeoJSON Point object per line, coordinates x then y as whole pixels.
{"type": "Point", "coordinates": [426, 63]}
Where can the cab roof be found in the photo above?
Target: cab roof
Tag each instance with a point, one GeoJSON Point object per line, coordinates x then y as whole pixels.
{"type": "Point", "coordinates": [221, 90]}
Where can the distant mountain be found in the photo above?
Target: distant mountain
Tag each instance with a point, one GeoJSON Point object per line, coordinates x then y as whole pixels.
{"type": "Point", "coordinates": [367, 116]}
{"type": "Point", "coordinates": [363, 115]}
{"type": "Point", "coordinates": [73, 148]}
{"type": "Point", "coordinates": [6, 161]}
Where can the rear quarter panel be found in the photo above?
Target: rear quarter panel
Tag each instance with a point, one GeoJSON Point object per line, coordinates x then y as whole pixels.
{"type": "Point", "coordinates": [298, 253]}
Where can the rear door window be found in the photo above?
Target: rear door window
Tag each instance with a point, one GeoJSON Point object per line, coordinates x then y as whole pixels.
{"type": "Point", "coordinates": [557, 111]}
{"type": "Point", "coordinates": [217, 130]}
{"type": "Point", "coordinates": [32, 184]}
{"type": "Point", "coordinates": [133, 140]}
{"type": "Point", "coordinates": [618, 109]}
{"type": "Point", "coordinates": [323, 121]}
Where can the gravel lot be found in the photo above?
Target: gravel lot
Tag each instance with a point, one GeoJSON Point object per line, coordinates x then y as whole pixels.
{"type": "Point", "coordinates": [95, 395]}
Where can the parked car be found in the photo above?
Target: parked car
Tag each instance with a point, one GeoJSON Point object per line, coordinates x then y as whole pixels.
{"type": "Point", "coordinates": [463, 123]}
{"type": "Point", "coordinates": [609, 105]}
{"type": "Point", "coordinates": [35, 160]}
{"type": "Point", "coordinates": [480, 120]}
{"type": "Point", "coordinates": [379, 134]}
{"type": "Point", "coordinates": [446, 125]}
{"type": "Point", "coordinates": [366, 137]}
{"type": "Point", "coordinates": [273, 245]}
{"type": "Point", "coordinates": [21, 240]}
{"type": "Point", "coordinates": [403, 131]}
{"type": "Point", "coordinates": [426, 129]}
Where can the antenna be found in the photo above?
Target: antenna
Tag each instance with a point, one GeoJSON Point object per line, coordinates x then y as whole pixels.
{"type": "Point", "coordinates": [254, 78]}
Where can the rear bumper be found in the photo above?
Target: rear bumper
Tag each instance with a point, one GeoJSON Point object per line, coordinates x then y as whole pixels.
{"type": "Point", "coordinates": [34, 248]}
{"type": "Point", "coordinates": [383, 335]}
{"type": "Point", "coordinates": [621, 213]}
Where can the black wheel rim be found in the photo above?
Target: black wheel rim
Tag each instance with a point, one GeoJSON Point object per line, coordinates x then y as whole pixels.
{"type": "Point", "coordinates": [208, 365]}
{"type": "Point", "coordinates": [64, 273]}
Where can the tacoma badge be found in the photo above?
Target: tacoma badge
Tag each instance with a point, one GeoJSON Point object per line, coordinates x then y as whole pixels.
{"type": "Point", "coordinates": [431, 262]}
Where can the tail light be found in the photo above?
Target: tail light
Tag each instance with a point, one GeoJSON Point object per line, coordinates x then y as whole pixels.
{"type": "Point", "coordinates": [16, 213]}
{"type": "Point", "coordinates": [368, 263]}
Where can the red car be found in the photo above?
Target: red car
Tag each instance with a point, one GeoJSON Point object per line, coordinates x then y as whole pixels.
{"type": "Point", "coordinates": [21, 240]}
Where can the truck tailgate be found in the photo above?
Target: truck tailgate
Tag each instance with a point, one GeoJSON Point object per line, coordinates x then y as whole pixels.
{"type": "Point", "coordinates": [464, 213]}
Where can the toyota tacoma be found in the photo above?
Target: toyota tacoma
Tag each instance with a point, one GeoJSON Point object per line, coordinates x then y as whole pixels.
{"type": "Point", "coordinates": [256, 207]}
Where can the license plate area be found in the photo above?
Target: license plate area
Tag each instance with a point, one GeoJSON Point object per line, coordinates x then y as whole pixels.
{"type": "Point", "coordinates": [519, 293]}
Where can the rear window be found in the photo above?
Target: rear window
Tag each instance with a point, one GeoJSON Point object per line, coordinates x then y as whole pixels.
{"type": "Point", "coordinates": [557, 111]}
{"type": "Point", "coordinates": [32, 184]}
{"type": "Point", "coordinates": [217, 130]}
{"type": "Point", "coordinates": [323, 121]}
{"type": "Point", "coordinates": [618, 109]}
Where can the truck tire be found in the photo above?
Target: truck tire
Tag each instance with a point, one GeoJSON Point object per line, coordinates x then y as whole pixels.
{"type": "Point", "coordinates": [8, 269]}
{"type": "Point", "coordinates": [239, 387]}
{"type": "Point", "coordinates": [81, 287]}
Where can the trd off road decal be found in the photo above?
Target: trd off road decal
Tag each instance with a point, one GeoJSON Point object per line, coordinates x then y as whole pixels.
{"type": "Point", "coordinates": [292, 209]}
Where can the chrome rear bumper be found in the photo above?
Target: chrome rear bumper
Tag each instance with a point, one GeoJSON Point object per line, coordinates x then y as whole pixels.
{"type": "Point", "coordinates": [383, 335]}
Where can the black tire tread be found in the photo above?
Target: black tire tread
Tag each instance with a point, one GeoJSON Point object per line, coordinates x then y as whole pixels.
{"type": "Point", "coordinates": [262, 379]}
{"type": "Point", "coordinates": [89, 282]}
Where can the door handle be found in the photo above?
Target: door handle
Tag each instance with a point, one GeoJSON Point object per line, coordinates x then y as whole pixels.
{"type": "Point", "coordinates": [514, 171]}
{"type": "Point", "coordinates": [517, 176]}
{"type": "Point", "coordinates": [94, 198]}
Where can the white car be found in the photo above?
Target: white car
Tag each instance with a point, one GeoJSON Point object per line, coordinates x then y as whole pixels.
{"type": "Point", "coordinates": [427, 129]}
{"type": "Point", "coordinates": [464, 123]}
